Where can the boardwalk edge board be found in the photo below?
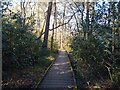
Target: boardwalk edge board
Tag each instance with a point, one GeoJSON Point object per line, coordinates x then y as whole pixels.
{"type": "Point", "coordinates": [76, 87]}
{"type": "Point", "coordinates": [36, 87]}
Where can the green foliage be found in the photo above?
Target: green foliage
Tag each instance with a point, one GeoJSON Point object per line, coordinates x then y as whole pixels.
{"type": "Point", "coordinates": [96, 52]}
{"type": "Point", "coordinates": [20, 47]}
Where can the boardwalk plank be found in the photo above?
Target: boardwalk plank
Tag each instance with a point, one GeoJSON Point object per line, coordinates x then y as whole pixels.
{"type": "Point", "coordinates": [60, 76]}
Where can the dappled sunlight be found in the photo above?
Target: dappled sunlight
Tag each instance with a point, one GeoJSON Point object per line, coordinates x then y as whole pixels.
{"type": "Point", "coordinates": [61, 63]}
{"type": "Point", "coordinates": [65, 72]}
{"type": "Point", "coordinates": [60, 74]}
{"type": "Point", "coordinates": [63, 50]}
{"type": "Point", "coordinates": [59, 44]}
{"type": "Point", "coordinates": [50, 58]}
{"type": "Point", "coordinates": [62, 56]}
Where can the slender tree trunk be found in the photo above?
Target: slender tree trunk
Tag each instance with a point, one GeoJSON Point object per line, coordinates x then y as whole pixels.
{"type": "Point", "coordinates": [75, 18]}
{"type": "Point", "coordinates": [23, 13]}
{"type": "Point", "coordinates": [54, 14]}
{"type": "Point", "coordinates": [87, 18]}
{"type": "Point", "coordinates": [113, 33]}
{"type": "Point", "coordinates": [41, 29]}
{"type": "Point", "coordinates": [21, 8]}
{"type": "Point", "coordinates": [83, 6]}
{"type": "Point", "coordinates": [109, 17]}
{"type": "Point", "coordinates": [38, 17]}
{"type": "Point", "coordinates": [63, 27]}
{"type": "Point", "coordinates": [52, 38]}
{"type": "Point", "coordinates": [55, 23]}
{"type": "Point", "coordinates": [119, 18]}
{"type": "Point", "coordinates": [92, 19]}
{"type": "Point", "coordinates": [86, 4]}
{"type": "Point", "coordinates": [45, 41]}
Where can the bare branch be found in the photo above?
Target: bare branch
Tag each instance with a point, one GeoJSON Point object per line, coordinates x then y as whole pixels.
{"type": "Point", "coordinates": [66, 22]}
{"type": "Point", "coordinates": [40, 36]}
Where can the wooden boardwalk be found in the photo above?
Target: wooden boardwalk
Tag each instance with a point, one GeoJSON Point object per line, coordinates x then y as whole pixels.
{"type": "Point", "coordinates": [60, 75]}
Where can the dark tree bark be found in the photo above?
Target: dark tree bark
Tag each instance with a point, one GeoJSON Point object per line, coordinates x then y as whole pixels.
{"type": "Point", "coordinates": [119, 18]}
{"type": "Point", "coordinates": [54, 14]}
{"type": "Point", "coordinates": [87, 18]}
{"type": "Point", "coordinates": [92, 19]}
{"type": "Point", "coordinates": [23, 13]}
{"type": "Point", "coordinates": [52, 38]}
{"type": "Point", "coordinates": [45, 41]}
{"type": "Point", "coordinates": [55, 22]}
{"type": "Point", "coordinates": [75, 18]}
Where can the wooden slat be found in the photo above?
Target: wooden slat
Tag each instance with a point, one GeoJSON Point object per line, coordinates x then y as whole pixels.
{"type": "Point", "coordinates": [60, 74]}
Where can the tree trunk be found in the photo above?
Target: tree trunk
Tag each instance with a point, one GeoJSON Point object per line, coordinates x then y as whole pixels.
{"type": "Point", "coordinates": [119, 18]}
{"type": "Point", "coordinates": [23, 13]}
{"type": "Point", "coordinates": [83, 6]}
{"type": "Point", "coordinates": [86, 29]}
{"type": "Point", "coordinates": [92, 19]}
{"type": "Point", "coordinates": [54, 14]}
{"type": "Point", "coordinates": [41, 30]}
{"type": "Point", "coordinates": [21, 8]}
{"type": "Point", "coordinates": [52, 38]}
{"type": "Point", "coordinates": [55, 23]}
{"type": "Point", "coordinates": [45, 41]}
{"type": "Point", "coordinates": [87, 18]}
{"type": "Point", "coordinates": [63, 28]}
{"type": "Point", "coordinates": [75, 18]}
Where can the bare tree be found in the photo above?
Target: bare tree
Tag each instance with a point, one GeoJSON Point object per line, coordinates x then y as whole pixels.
{"type": "Point", "coordinates": [92, 17]}
{"type": "Point", "coordinates": [23, 12]}
{"type": "Point", "coordinates": [45, 41]}
{"type": "Point", "coordinates": [119, 18]}
{"type": "Point", "coordinates": [54, 15]}
{"type": "Point", "coordinates": [87, 18]}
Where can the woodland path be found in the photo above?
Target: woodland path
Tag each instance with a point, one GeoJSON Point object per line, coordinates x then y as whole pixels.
{"type": "Point", "coordinates": [60, 75]}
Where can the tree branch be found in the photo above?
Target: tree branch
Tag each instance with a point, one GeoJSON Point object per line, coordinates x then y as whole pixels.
{"type": "Point", "coordinates": [66, 22]}
{"type": "Point", "coordinates": [60, 25]}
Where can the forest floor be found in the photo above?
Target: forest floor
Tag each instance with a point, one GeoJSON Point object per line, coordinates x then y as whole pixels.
{"type": "Point", "coordinates": [87, 79]}
{"type": "Point", "coordinates": [26, 77]}
{"type": "Point", "coordinates": [94, 80]}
